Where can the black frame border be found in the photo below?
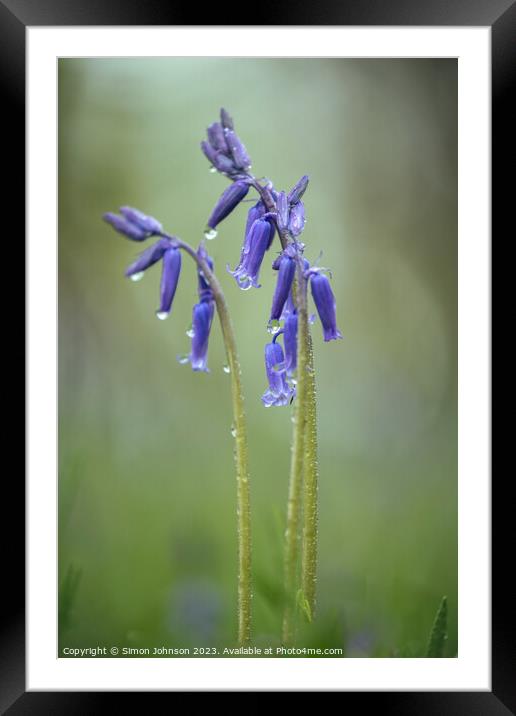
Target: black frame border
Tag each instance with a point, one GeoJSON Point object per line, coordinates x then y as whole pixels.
{"type": "Point", "coordinates": [15, 16]}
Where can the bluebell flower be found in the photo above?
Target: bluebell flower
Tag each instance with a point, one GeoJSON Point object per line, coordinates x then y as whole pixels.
{"type": "Point", "coordinates": [237, 150]}
{"type": "Point", "coordinates": [286, 272]}
{"type": "Point", "coordinates": [147, 223]}
{"type": "Point", "coordinates": [147, 258]}
{"type": "Point", "coordinates": [282, 209]}
{"type": "Point", "coordinates": [325, 303]}
{"type": "Point", "coordinates": [171, 269]}
{"type": "Point", "coordinates": [202, 317]}
{"type": "Point", "coordinates": [296, 219]}
{"type": "Point", "coordinates": [256, 244]}
{"type": "Point", "coordinates": [133, 223]}
{"type": "Point", "coordinates": [217, 137]}
{"type": "Point", "coordinates": [220, 161]}
{"type": "Point", "coordinates": [290, 343]}
{"type": "Point", "coordinates": [298, 190]}
{"type": "Point", "coordinates": [279, 391]}
{"type": "Point", "coordinates": [125, 227]}
{"type": "Point", "coordinates": [230, 198]}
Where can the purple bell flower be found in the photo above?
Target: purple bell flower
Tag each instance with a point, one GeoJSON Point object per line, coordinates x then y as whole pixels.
{"type": "Point", "coordinates": [325, 304]}
{"type": "Point", "coordinates": [147, 258]}
{"type": "Point", "coordinates": [298, 190]}
{"type": "Point", "coordinates": [286, 273]}
{"type": "Point", "coordinates": [229, 199]}
{"type": "Point", "coordinates": [147, 223]}
{"type": "Point", "coordinates": [256, 244]}
{"type": "Point", "coordinates": [296, 219]}
{"type": "Point", "coordinates": [290, 343]}
{"type": "Point", "coordinates": [169, 279]}
{"type": "Point", "coordinates": [125, 227]}
{"type": "Point", "coordinates": [237, 150]}
{"type": "Point", "coordinates": [279, 391]}
{"type": "Point", "coordinates": [202, 317]}
{"type": "Point", "coordinates": [217, 138]}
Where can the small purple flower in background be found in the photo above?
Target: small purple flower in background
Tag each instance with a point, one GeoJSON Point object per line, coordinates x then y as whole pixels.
{"type": "Point", "coordinates": [169, 279]}
{"type": "Point", "coordinates": [325, 303]}
{"type": "Point", "coordinates": [256, 244]}
{"type": "Point", "coordinates": [279, 391]}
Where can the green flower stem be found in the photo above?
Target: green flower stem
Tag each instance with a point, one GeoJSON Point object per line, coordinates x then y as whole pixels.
{"type": "Point", "coordinates": [240, 434]}
{"type": "Point", "coordinates": [241, 461]}
{"type": "Point", "coordinates": [310, 487]}
{"type": "Point", "coordinates": [294, 505]}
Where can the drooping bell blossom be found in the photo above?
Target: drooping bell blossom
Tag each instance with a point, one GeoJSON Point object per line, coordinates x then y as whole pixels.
{"type": "Point", "coordinates": [202, 317]}
{"type": "Point", "coordinates": [229, 199]}
{"type": "Point", "coordinates": [256, 244]}
{"type": "Point", "coordinates": [279, 391]}
{"type": "Point", "coordinates": [171, 268]}
{"type": "Point", "coordinates": [225, 119]}
{"type": "Point", "coordinates": [296, 219]}
{"type": "Point", "coordinates": [325, 303]}
{"type": "Point", "coordinates": [125, 227]}
{"type": "Point", "coordinates": [290, 343]}
{"type": "Point", "coordinates": [298, 190]}
{"type": "Point", "coordinates": [286, 273]}
{"type": "Point", "coordinates": [220, 161]}
{"type": "Point", "coordinates": [137, 217]}
{"type": "Point", "coordinates": [237, 150]}
{"type": "Point", "coordinates": [282, 208]}
{"type": "Point", "coordinates": [217, 138]}
{"type": "Point", "coordinates": [147, 258]}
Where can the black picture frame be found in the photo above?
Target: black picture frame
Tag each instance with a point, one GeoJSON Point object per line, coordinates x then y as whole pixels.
{"type": "Point", "coordinates": [15, 16]}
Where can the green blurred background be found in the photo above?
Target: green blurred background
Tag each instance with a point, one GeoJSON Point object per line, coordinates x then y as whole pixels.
{"type": "Point", "coordinates": [146, 479]}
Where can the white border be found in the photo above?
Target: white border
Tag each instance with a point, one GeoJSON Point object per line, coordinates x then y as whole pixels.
{"type": "Point", "coordinates": [471, 670]}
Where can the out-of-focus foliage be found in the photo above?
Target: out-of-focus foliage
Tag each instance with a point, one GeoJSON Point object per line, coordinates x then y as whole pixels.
{"type": "Point", "coordinates": [146, 480]}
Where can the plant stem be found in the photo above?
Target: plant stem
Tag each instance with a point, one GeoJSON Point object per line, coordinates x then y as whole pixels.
{"type": "Point", "coordinates": [294, 507]}
{"type": "Point", "coordinates": [239, 431]}
{"type": "Point", "coordinates": [241, 461]}
{"type": "Point", "coordinates": [310, 486]}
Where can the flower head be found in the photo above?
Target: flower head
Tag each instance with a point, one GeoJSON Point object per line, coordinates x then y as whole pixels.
{"type": "Point", "coordinates": [325, 303]}
{"type": "Point", "coordinates": [202, 317]}
{"type": "Point", "coordinates": [290, 343]}
{"type": "Point", "coordinates": [224, 148]}
{"type": "Point", "coordinates": [279, 391]}
{"type": "Point", "coordinates": [286, 272]}
{"type": "Point", "coordinates": [171, 269]}
{"type": "Point", "coordinates": [257, 241]}
{"type": "Point", "coordinates": [230, 198]}
{"type": "Point", "coordinates": [147, 258]}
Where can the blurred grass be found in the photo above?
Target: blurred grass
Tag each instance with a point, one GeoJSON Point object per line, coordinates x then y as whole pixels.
{"type": "Point", "coordinates": [146, 481]}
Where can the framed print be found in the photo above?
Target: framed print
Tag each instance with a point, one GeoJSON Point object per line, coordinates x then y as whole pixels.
{"type": "Point", "coordinates": [284, 482]}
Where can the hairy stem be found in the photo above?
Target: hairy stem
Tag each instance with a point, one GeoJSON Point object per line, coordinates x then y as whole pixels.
{"type": "Point", "coordinates": [310, 486]}
{"type": "Point", "coordinates": [241, 462]}
{"type": "Point", "coordinates": [239, 431]}
{"type": "Point", "coordinates": [295, 506]}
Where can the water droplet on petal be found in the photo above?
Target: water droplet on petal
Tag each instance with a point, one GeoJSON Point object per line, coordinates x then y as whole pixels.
{"type": "Point", "coordinates": [183, 359]}
{"type": "Point", "coordinates": [190, 332]}
{"type": "Point", "coordinates": [210, 233]}
{"type": "Point", "coordinates": [226, 369]}
{"type": "Point", "coordinates": [213, 170]}
{"type": "Point", "coordinates": [274, 326]}
{"type": "Point", "coordinates": [136, 276]}
{"type": "Point", "coordinates": [162, 315]}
